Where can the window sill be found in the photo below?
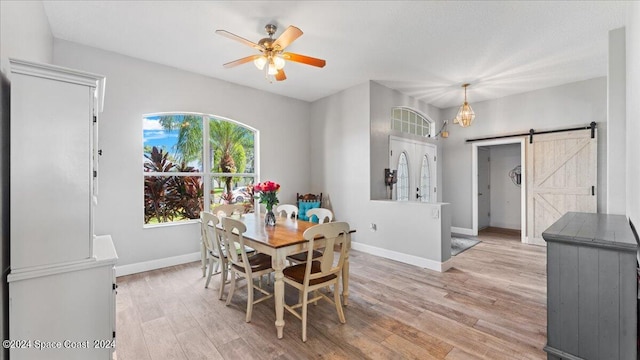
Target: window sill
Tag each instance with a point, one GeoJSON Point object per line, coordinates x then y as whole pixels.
{"type": "Point", "coordinates": [170, 224]}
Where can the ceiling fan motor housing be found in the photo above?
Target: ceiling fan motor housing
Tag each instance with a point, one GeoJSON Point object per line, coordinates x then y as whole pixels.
{"type": "Point", "coordinates": [267, 43]}
{"type": "Point", "coordinates": [270, 29]}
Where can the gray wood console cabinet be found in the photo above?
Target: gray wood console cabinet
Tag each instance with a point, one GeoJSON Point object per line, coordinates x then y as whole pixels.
{"type": "Point", "coordinates": [591, 288]}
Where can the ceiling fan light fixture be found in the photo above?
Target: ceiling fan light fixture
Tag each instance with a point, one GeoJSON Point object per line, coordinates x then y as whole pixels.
{"type": "Point", "coordinates": [260, 62]}
{"type": "Point", "coordinates": [278, 61]}
{"type": "Point", "coordinates": [272, 69]}
{"type": "Point", "coordinates": [465, 115]}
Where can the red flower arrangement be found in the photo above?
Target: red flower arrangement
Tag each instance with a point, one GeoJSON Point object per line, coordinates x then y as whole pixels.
{"type": "Point", "coordinates": [267, 196]}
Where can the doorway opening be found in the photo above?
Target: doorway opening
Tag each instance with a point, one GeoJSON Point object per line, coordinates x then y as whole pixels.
{"type": "Point", "coordinates": [501, 177]}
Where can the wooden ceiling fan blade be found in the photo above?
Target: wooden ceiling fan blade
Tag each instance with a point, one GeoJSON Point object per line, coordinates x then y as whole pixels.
{"type": "Point", "coordinates": [241, 61]}
{"type": "Point", "coordinates": [239, 39]}
{"type": "Point", "coordinates": [304, 59]}
{"type": "Point", "coordinates": [287, 37]}
{"type": "Point", "coordinates": [280, 76]}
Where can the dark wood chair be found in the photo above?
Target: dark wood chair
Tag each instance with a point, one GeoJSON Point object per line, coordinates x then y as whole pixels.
{"type": "Point", "coordinates": [306, 202]}
{"type": "Point", "coordinates": [309, 198]}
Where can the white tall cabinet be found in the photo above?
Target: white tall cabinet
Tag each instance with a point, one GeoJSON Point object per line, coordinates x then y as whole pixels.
{"type": "Point", "coordinates": [62, 280]}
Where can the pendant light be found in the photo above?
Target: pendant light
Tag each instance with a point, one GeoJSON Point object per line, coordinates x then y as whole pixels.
{"type": "Point", "coordinates": [465, 114]}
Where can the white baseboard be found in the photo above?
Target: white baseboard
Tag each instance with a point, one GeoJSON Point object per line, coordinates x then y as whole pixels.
{"type": "Point", "coordinates": [461, 231]}
{"type": "Point", "coordinates": [404, 258]}
{"type": "Point", "coordinates": [533, 241]}
{"type": "Point", "coordinates": [156, 264]}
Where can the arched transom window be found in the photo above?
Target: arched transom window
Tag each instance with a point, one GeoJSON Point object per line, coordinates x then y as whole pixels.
{"type": "Point", "coordinates": [410, 122]}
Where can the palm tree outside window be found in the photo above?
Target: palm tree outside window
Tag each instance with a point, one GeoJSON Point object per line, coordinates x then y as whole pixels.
{"type": "Point", "coordinates": [195, 159]}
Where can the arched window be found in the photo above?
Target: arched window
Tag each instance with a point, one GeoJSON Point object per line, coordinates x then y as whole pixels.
{"type": "Point", "coordinates": [402, 187]}
{"type": "Point", "coordinates": [410, 121]}
{"type": "Point", "coordinates": [193, 162]}
{"type": "Point", "coordinates": [425, 180]}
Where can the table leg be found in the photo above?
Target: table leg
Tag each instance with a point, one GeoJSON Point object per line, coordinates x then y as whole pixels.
{"type": "Point", "coordinates": [203, 258]}
{"type": "Point", "coordinates": [277, 262]}
{"type": "Point", "coordinates": [345, 274]}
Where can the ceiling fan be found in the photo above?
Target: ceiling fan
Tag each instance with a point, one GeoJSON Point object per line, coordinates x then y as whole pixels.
{"type": "Point", "coordinates": [272, 56]}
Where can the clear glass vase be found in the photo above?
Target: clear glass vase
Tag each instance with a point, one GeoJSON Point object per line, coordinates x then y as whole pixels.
{"type": "Point", "coordinates": [270, 218]}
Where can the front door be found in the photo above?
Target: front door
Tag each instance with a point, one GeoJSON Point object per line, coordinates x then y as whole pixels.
{"type": "Point", "coordinates": [415, 163]}
{"type": "Point", "coordinates": [561, 177]}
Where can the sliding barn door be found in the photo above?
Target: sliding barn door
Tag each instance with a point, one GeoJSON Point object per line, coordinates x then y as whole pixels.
{"type": "Point", "coordinates": [561, 177]}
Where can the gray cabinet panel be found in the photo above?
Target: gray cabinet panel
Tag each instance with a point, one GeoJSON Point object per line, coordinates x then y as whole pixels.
{"type": "Point", "coordinates": [569, 298]}
{"type": "Point", "coordinates": [553, 302]}
{"type": "Point", "coordinates": [608, 307]}
{"type": "Point", "coordinates": [591, 287]}
{"type": "Point", "coordinates": [628, 305]}
{"type": "Point", "coordinates": [588, 302]}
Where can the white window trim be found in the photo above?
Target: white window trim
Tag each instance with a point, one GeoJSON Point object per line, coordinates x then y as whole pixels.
{"type": "Point", "coordinates": [206, 173]}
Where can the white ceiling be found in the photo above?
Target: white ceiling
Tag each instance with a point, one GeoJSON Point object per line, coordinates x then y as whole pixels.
{"type": "Point", "coordinates": [424, 49]}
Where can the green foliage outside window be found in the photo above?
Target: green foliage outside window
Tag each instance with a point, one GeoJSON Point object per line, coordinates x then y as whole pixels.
{"type": "Point", "coordinates": [169, 197]}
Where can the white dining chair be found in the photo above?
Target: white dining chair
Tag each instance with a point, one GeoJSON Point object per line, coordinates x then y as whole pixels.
{"type": "Point", "coordinates": [242, 265]}
{"type": "Point", "coordinates": [313, 275]}
{"type": "Point", "coordinates": [321, 214]}
{"type": "Point", "coordinates": [290, 210]}
{"type": "Point", "coordinates": [216, 256]}
{"type": "Point", "coordinates": [228, 210]}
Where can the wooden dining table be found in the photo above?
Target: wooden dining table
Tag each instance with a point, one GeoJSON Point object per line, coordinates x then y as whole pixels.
{"type": "Point", "coordinates": [280, 241]}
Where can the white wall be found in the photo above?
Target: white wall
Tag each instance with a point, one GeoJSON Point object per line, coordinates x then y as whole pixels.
{"type": "Point", "coordinates": [616, 123]}
{"type": "Point", "coordinates": [24, 32]}
{"type": "Point", "coordinates": [633, 109]}
{"type": "Point", "coordinates": [382, 100]}
{"type": "Point", "coordinates": [505, 195]}
{"type": "Point", "coordinates": [340, 152]}
{"type": "Point", "coordinates": [340, 159]}
{"type": "Point", "coordinates": [569, 105]}
{"type": "Point", "coordinates": [135, 87]}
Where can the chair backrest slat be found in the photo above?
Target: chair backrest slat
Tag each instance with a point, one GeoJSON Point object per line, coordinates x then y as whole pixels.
{"type": "Point", "coordinates": [288, 209]}
{"type": "Point", "coordinates": [333, 232]}
{"type": "Point", "coordinates": [208, 223]}
{"type": "Point", "coordinates": [321, 214]}
{"type": "Point", "coordinates": [232, 231]}
{"type": "Point", "coordinates": [228, 209]}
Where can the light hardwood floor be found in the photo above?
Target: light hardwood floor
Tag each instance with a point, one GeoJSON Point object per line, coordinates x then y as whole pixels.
{"type": "Point", "coordinates": [490, 305]}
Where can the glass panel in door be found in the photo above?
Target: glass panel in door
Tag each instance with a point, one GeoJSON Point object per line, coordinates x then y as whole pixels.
{"type": "Point", "coordinates": [425, 180]}
{"type": "Point", "coordinates": [402, 187]}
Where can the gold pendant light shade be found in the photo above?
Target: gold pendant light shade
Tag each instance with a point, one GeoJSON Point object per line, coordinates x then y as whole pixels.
{"type": "Point", "coordinates": [465, 115]}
